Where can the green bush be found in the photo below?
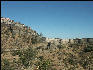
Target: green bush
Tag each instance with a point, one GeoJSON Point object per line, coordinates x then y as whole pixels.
{"type": "Point", "coordinates": [16, 52]}
{"type": "Point", "coordinates": [59, 46]}
{"type": "Point", "coordinates": [41, 58]}
{"type": "Point", "coordinates": [44, 64]}
{"type": "Point", "coordinates": [84, 63]}
{"type": "Point", "coordinates": [37, 39]}
{"type": "Point", "coordinates": [88, 49]}
{"type": "Point", "coordinates": [6, 65]}
{"type": "Point", "coordinates": [71, 61]}
{"type": "Point", "coordinates": [34, 40]}
{"type": "Point", "coordinates": [26, 56]}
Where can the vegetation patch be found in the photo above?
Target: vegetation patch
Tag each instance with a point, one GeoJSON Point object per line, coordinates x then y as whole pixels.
{"type": "Point", "coordinates": [88, 49]}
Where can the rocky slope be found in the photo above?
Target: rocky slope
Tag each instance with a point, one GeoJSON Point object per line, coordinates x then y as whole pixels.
{"type": "Point", "coordinates": [24, 49]}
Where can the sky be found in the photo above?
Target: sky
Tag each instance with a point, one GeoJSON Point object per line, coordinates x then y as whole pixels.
{"type": "Point", "coordinates": [54, 19]}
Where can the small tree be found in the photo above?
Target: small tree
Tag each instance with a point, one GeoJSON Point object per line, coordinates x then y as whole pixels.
{"type": "Point", "coordinates": [41, 34]}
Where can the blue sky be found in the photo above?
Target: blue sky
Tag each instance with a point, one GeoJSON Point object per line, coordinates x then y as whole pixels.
{"type": "Point", "coordinates": [60, 19]}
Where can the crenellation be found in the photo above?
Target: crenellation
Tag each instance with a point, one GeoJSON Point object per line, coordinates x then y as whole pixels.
{"type": "Point", "coordinates": [72, 41]}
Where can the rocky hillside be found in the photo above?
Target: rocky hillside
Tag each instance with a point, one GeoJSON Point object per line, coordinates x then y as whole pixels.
{"type": "Point", "coordinates": [24, 49]}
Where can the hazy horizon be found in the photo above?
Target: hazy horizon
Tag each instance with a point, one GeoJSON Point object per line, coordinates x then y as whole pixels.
{"type": "Point", "coordinates": [55, 19]}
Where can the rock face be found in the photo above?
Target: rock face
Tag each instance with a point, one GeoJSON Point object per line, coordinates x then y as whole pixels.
{"type": "Point", "coordinates": [24, 49]}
